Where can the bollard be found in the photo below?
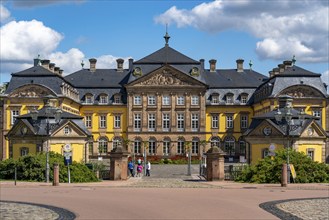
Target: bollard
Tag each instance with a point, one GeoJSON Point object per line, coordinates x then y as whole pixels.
{"type": "Point", "coordinates": [56, 175]}
{"type": "Point", "coordinates": [284, 180]}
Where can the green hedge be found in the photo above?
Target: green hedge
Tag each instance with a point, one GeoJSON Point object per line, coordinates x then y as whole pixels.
{"type": "Point", "coordinates": [32, 168]}
{"type": "Point", "coordinates": [268, 170]}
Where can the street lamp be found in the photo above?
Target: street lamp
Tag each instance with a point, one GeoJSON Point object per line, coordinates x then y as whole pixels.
{"type": "Point", "coordinates": [48, 112]}
{"type": "Point", "coordinates": [285, 118]}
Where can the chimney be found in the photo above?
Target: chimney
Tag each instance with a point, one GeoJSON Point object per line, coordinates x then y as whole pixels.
{"type": "Point", "coordinates": [51, 67]}
{"type": "Point", "coordinates": [202, 64]}
{"type": "Point", "coordinates": [92, 62]}
{"type": "Point", "coordinates": [212, 65]}
{"type": "Point", "coordinates": [239, 65]}
{"type": "Point", "coordinates": [60, 72]}
{"type": "Point", "coordinates": [285, 100]}
{"type": "Point", "coordinates": [287, 63]}
{"type": "Point", "coordinates": [131, 61]}
{"type": "Point", "coordinates": [36, 61]}
{"type": "Point", "coordinates": [271, 73]}
{"type": "Point", "coordinates": [120, 65]}
{"type": "Point", "coordinates": [45, 64]}
{"type": "Point", "coordinates": [281, 68]}
{"type": "Point", "coordinates": [56, 70]}
{"type": "Point", "coordinates": [275, 71]}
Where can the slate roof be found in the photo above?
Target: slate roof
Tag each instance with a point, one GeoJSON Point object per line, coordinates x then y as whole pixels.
{"type": "Point", "coordinates": [166, 55]}
{"type": "Point", "coordinates": [36, 75]}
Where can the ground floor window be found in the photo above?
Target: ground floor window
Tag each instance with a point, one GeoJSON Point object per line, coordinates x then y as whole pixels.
{"type": "Point", "coordinates": [137, 147]}
{"type": "Point", "coordinates": [180, 147]}
{"type": "Point", "coordinates": [310, 153]}
{"type": "Point", "coordinates": [166, 145]}
{"type": "Point", "coordinates": [24, 151]}
{"type": "Point", "coordinates": [195, 147]}
{"type": "Point", "coordinates": [152, 147]}
{"type": "Point", "coordinates": [102, 146]}
{"type": "Point", "coordinates": [90, 148]}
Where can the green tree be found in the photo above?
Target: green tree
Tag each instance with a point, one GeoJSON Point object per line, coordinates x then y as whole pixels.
{"type": "Point", "coordinates": [268, 170]}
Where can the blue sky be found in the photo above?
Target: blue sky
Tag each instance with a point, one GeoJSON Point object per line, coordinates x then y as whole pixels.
{"type": "Point", "coordinates": [66, 32]}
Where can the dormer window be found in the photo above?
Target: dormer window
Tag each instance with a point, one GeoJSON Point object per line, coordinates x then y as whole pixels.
{"type": "Point", "coordinates": [244, 98]}
{"type": "Point", "coordinates": [137, 71]}
{"type": "Point", "coordinates": [215, 99]}
{"type": "Point", "coordinates": [103, 99]}
{"type": "Point", "coordinates": [89, 99]}
{"type": "Point", "coordinates": [229, 98]}
{"type": "Point", "coordinates": [117, 99]}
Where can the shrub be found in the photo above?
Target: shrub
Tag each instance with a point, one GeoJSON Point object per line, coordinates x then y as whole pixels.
{"type": "Point", "coordinates": [268, 170]}
{"type": "Point", "coordinates": [32, 168]}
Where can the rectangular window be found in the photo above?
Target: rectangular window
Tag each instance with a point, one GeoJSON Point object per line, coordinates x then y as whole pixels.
{"type": "Point", "coordinates": [137, 147]}
{"type": "Point", "coordinates": [214, 121]}
{"type": "Point", "coordinates": [102, 121]}
{"type": "Point", "coordinates": [229, 99]}
{"type": "Point", "coordinates": [165, 100]}
{"type": "Point", "coordinates": [137, 100]}
{"type": "Point", "coordinates": [103, 100]}
{"type": "Point", "coordinates": [310, 153]}
{"type": "Point", "coordinates": [151, 122]}
{"type": "Point", "coordinates": [214, 99]}
{"type": "Point", "coordinates": [244, 99]}
{"type": "Point", "coordinates": [195, 100]}
{"type": "Point", "coordinates": [180, 122]}
{"type": "Point", "coordinates": [137, 122]}
{"type": "Point", "coordinates": [195, 147]}
{"type": "Point", "coordinates": [317, 113]}
{"type": "Point", "coordinates": [14, 114]}
{"type": "Point", "coordinates": [90, 148]}
{"type": "Point", "coordinates": [117, 99]}
{"type": "Point", "coordinates": [180, 100]}
{"type": "Point", "coordinates": [165, 122]}
{"type": "Point", "coordinates": [195, 122]}
{"type": "Point", "coordinates": [180, 147]}
{"type": "Point", "coordinates": [166, 147]}
{"type": "Point", "coordinates": [151, 100]}
{"type": "Point", "coordinates": [88, 121]}
{"type": "Point", "coordinates": [117, 121]}
{"type": "Point", "coordinates": [152, 147]}
{"type": "Point", "coordinates": [244, 121]}
{"type": "Point", "coordinates": [229, 121]}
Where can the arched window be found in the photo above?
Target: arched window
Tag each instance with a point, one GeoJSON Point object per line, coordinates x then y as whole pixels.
{"type": "Point", "coordinates": [166, 146]}
{"type": "Point", "coordinates": [215, 141]}
{"type": "Point", "coordinates": [116, 142]}
{"type": "Point", "coordinates": [102, 145]}
{"type": "Point", "coordinates": [229, 145]}
{"type": "Point", "coordinates": [242, 147]}
{"type": "Point", "coordinates": [103, 99]}
{"type": "Point", "coordinates": [180, 146]}
{"type": "Point", "coordinates": [24, 151]}
{"type": "Point", "coordinates": [152, 146]}
{"type": "Point", "coordinates": [137, 146]}
{"type": "Point", "coordinates": [89, 98]}
{"type": "Point", "coordinates": [195, 145]}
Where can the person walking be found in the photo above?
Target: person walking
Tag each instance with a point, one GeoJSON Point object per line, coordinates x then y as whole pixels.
{"type": "Point", "coordinates": [131, 168]}
{"type": "Point", "coordinates": [148, 168]}
{"type": "Point", "coordinates": [139, 170]}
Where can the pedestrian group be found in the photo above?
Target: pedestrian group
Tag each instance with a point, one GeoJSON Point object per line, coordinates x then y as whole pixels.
{"type": "Point", "coordinates": [139, 168]}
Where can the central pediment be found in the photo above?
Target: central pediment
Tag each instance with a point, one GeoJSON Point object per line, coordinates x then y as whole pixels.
{"type": "Point", "coordinates": [166, 76]}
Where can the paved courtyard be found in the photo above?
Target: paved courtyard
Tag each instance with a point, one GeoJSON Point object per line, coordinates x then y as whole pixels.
{"type": "Point", "coordinates": [164, 195]}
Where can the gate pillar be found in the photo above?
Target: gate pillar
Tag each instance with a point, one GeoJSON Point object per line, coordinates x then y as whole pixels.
{"type": "Point", "coordinates": [215, 164]}
{"type": "Point", "coordinates": [118, 164]}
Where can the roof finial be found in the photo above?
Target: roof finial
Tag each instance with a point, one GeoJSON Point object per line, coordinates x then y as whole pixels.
{"type": "Point", "coordinates": [166, 37]}
{"type": "Point", "coordinates": [250, 64]}
{"type": "Point", "coordinates": [82, 64]}
{"type": "Point", "coordinates": [293, 60]}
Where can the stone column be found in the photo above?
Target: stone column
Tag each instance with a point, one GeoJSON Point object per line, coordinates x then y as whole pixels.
{"type": "Point", "coordinates": [56, 175]}
{"type": "Point", "coordinates": [119, 164]}
{"type": "Point", "coordinates": [215, 164]}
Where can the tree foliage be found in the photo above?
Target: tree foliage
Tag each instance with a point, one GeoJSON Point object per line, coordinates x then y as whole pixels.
{"type": "Point", "coordinates": [268, 170]}
{"type": "Point", "coordinates": [32, 168]}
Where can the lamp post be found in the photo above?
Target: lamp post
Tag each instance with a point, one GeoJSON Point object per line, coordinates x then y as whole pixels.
{"type": "Point", "coordinates": [47, 112]}
{"type": "Point", "coordinates": [188, 148]}
{"type": "Point", "coordinates": [285, 118]}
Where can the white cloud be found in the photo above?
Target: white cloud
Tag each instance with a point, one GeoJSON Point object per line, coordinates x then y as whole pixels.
{"type": "Point", "coordinates": [4, 14]}
{"type": "Point", "coordinates": [283, 27]}
{"type": "Point", "coordinates": [24, 40]}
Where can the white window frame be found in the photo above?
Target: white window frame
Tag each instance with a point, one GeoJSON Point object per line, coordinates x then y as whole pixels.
{"type": "Point", "coordinates": [103, 99]}
{"type": "Point", "coordinates": [102, 121]}
{"type": "Point", "coordinates": [117, 99]}
{"type": "Point", "coordinates": [88, 121]}
{"type": "Point", "coordinates": [229, 121]}
{"type": "Point", "coordinates": [229, 141]}
{"type": "Point", "coordinates": [195, 100]}
{"type": "Point", "coordinates": [214, 121]}
{"type": "Point", "coordinates": [215, 99]}
{"type": "Point", "coordinates": [137, 121]}
{"type": "Point", "coordinates": [67, 130]}
{"type": "Point", "coordinates": [180, 100]}
{"type": "Point", "coordinates": [117, 121]}
{"type": "Point", "coordinates": [24, 151]}
{"type": "Point", "coordinates": [137, 147]}
{"type": "Point", "coordinates": [244, 99]}
{"type": "Point", "coordinates": [14, 114]}
{"type": "Point", "coordinates": [152, 147]}
{"type": "Point", "coordinates": [229, 99]}
{"type": "Point", "coordinates": [244, 121]}
{"type": "Point", "coordinates": [116, 142]}
{"type": "Point", "coordinates": [102, 146]}
{"type": "Point", "coordinates": [137, 100]}
{"type": "Point", "coordinates": [151, 100]}
{"type": "Point", "coordinates": [166, 100]}
{"type": "Point", "coordinates": [215, 141]}
{"type": "Point", "coordinates": [165, 121]}
{"type": "Point", "coordinates": [194, 122]}
{"type": "Point", "coordinates": [180, 122]}
{"type": "Point", "coordinates": [166, 147]}
{"type": "Point", "coordinates": [151, 121]}
{"type": "Point", "coordinates": [89, 99]}
{"type": "Point", "coordinates": [180, 147]}
{"type": "Point", "coordinates": [195, 146]}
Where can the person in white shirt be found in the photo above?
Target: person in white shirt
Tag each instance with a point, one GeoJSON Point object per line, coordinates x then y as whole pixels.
{"type": "Point", "coordinates": [148, 168]}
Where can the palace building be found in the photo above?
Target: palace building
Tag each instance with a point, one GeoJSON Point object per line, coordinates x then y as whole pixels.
{"type": "Point", "coordinates": [164, 105]}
